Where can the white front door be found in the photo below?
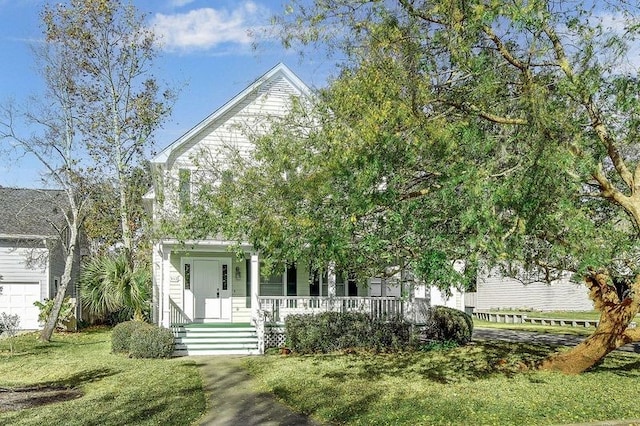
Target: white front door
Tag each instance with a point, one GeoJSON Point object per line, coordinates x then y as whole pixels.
{"type": "Point", "coordinates": [212, 289]}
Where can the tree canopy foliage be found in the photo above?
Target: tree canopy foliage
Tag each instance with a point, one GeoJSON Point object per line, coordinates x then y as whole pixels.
{"type": "Point", "coordinates": [501, 133]}
{"type": "Point", "coordinates": [111, 50]}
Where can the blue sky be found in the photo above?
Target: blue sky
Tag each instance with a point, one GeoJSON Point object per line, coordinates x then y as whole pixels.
{"type": "Point", "coordinates": [206, 54]}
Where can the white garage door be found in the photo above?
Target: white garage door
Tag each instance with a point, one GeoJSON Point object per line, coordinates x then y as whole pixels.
{"type": "Point", "coordinates": [18, 298]}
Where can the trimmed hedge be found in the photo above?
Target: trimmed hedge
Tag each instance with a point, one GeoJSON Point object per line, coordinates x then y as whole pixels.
{"type": "Point", "coordinates": [333, 331]}
{"type": "Point", "coordinates": [142, 340]}
{"type": "Point", "coordinates": [121, 335]}
{"type": "Point", "coordinates": [151, 342]}
{"type": "Point", "coordinates": [448, 325]}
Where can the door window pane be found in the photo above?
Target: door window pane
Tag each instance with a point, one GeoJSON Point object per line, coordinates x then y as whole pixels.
{"type": "Point", "coordinates": [225, 277]}
{"type": "Point", "coordinates": [187, 276]}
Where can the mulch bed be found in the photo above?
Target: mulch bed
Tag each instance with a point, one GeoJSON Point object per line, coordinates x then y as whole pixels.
{"type": "Point", "coordinates": [20, 398]}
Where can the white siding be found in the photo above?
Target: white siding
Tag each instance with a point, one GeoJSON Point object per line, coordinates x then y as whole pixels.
{"type": "Point", "coordinates": [13, 267]}
{"type": "Point", "coordinates": [496, 292]}
{"type": "Point", "coordinates": [302, 278]}
{"type": "Point", "coordinates": [455, 300]}
{"type": "Point", "coordinates": [176, 286]}
{"type": "Point", "coordinates": [230, 132]}
{"type": "Point", "coordinates": [240, 311]}
{"type": "Point", "coordinates": [227, 130]}
{"type": "Point", "coordinates": [235, 128]}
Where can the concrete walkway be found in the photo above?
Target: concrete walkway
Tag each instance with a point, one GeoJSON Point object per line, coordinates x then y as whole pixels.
{"type": "Point", "coordinates": [233, 400]}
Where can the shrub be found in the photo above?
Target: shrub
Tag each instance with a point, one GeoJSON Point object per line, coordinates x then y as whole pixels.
{"type": "Point", "coordinates": [9, 325]}
{"type": "Point", "coordinates": [151, 341]}
{"type": "Point", "coordinates": [121, 335]}
{"type": "Point", "coordinates": [393, 334]}
{"type": "Point", "coordinates": [64, 317]}
{"type": "Point", "coordinates": [448, 324]}
{"type": "Point", "coordinates": [331, 331]}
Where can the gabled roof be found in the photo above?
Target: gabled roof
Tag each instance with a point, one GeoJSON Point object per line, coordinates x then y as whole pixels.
{"type": "Point", "coordinates": [278, 71]}
{"type": "Point", "coordinates": [31, 213]}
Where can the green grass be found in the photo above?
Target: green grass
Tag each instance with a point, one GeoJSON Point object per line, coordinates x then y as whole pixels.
{"type": "Point", "coordinates": [483, 383]}
{"type": "Point", "coordinates": [116, 390]}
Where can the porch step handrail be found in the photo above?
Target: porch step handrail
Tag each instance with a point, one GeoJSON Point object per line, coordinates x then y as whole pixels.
{"type": "Point", "coordinates": [177, 315]}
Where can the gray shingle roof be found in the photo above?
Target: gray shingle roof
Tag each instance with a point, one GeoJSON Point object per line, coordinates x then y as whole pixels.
{"type": "Point", "coordinates": [31, 212]}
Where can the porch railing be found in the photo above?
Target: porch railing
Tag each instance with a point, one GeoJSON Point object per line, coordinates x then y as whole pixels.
{"type": "Point", "coordinates": [276, 308]}
{"type": "Point", "coordinates": [176, 315]}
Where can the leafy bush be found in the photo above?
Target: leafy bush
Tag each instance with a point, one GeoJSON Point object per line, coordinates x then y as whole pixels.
{"type": "Point", "coordinates": [9, 324]}
{"type": "Point", "coordinates": [121, 335]}
{"type": "Point", "coordinates": [331, 331]}
{"type": "Point", "coordinates": [439, 346]}
{"type": "Point", "coordinates": [151, 341]}
{"type": "Point", "coordinates": [64, 317]}
{"type": "Point", "coordinates": [448, 324]}
{"type": "Point", "coordinates": [394, 334]}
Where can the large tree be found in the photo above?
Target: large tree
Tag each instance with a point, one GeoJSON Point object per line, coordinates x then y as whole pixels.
{"type": "Point", "coordinates": [97, 115]}
{"type": "Point", "coordinates": [122, 102]}
{"type": "Point", "coordinates": [53, 140]}
{"type": "Point", "coordinates": [501, 133]}
{"type": "Point", "coordinates": [544, 99]}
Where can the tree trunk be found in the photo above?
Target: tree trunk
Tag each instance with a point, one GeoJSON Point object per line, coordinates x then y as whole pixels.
{"type": "Point", "coordinates": [612, 331]}
{"type": "Point", "coordinates": [127, 239]}
{"type": "Point", "coordinates": [52, 321]}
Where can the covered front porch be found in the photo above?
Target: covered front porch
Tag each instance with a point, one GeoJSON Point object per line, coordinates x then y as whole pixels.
{"type": "Point", "coordinates": [204, 283]}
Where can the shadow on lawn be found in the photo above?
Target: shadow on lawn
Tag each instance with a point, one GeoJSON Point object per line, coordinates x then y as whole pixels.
{"type": "Point", "coordinates": [472, 362]}
{"type": "Point", "coordinates": [80, 378]}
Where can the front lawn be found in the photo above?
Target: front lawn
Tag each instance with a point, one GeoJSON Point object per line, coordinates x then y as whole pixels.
{"type": "Point", "coordinates": [483, 383]}
{"type": "Point", "coordinates": [109, 389]}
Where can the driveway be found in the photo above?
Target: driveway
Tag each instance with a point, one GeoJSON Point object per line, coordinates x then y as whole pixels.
{"type": "Point", "coordinates": [541, 338]}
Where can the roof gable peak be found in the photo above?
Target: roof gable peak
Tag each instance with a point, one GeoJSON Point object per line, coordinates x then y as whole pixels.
{"type": "Point", "coordinates": [280, 70]}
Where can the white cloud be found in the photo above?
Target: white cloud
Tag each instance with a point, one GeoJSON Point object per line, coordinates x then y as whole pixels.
{"type": "Point", "coordinates": [180, 3]}
{"type": "Point", "coordinates": [207, 28]}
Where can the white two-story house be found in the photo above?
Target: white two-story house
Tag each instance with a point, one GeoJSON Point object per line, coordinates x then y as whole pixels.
{"type": "Point", "coordinates": [201, 286]}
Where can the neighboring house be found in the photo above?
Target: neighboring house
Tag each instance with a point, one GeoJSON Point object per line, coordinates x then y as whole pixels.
{"type": "Point", "coordinates": [494, 292]}
{"type": "Point", "coordinates": [31, 255]}
{"type": "Point", "coordinates": [202, 281]}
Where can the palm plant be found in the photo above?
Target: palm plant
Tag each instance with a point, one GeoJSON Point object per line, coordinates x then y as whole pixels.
{"type": "Point", "coordinates": [109, 284]}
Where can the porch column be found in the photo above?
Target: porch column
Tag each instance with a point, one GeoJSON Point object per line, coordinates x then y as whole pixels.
{"type": "Point", "coordinates": [166, 283]}
{"type": "Point", "coordinates": [331, 280]}
{"type": "Point", "coordinates": [156, 274]}
{"type": "Point", "coordinates": [255, 285]}
{"type": "Point", "coordinates": [331, 285]}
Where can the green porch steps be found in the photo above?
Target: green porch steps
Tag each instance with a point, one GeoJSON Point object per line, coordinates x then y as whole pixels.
{"type": "Point", "coordinates": [215, 339]}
